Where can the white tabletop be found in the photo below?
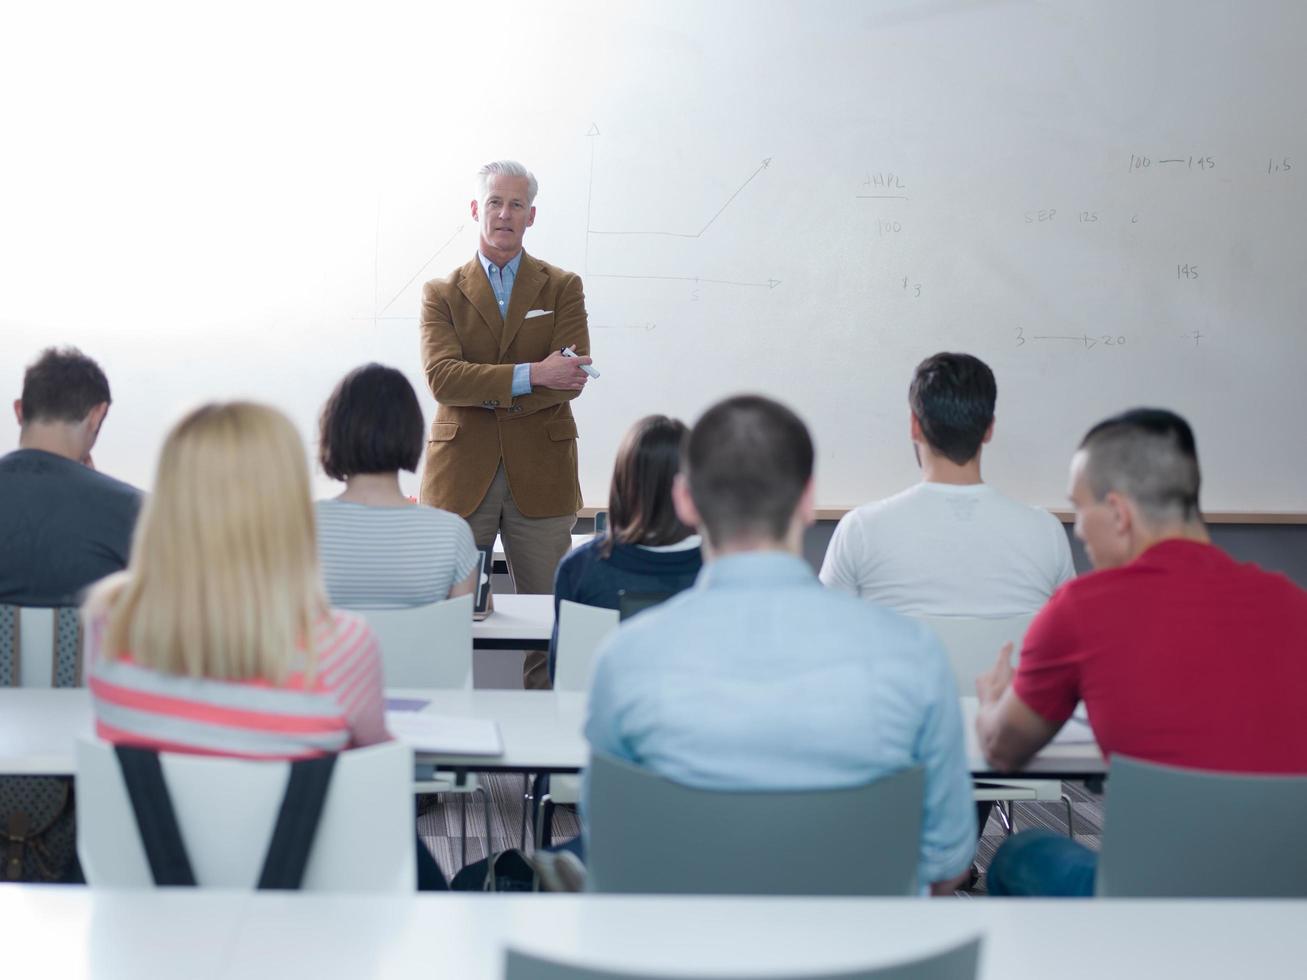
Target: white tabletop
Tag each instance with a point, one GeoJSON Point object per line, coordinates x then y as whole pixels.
{"type": "Point", "coordinates": [38, 727]}
{"type": "Point", "coordinates": [523, 618]}
{"type": "Point", "coordinates": [577, 539]}
{"type": "Point", "coordinates": [72, 932]}
{"type": "Point", "coordinates": [1063, 761]}
{"type": "Point", "coordinates": [541, 731]}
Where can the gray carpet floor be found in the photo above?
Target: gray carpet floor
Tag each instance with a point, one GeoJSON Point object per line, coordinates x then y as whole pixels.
{"type": "Point", "coordinates": [439, 821]}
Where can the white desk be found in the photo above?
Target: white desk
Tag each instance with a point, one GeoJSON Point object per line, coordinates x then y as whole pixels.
{"type": "Point", "coordinates": [71, 932]}
{"type": "Point", "coordinates": [38, 727]}
{"type": "Point", "coordinates": [499, 556]}
{"type": "Point", "coordinates": [518, 622]}
{"type": "Point", "coordinates": [1055, 762]}
{"type": "Point", "coordinates": [541, 731]}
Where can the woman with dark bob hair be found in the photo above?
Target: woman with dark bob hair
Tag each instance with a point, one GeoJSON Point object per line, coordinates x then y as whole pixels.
{"type": "Point", "coordinates": [379, 549]}
{"type": "Point", "coordinates": [646, 547]}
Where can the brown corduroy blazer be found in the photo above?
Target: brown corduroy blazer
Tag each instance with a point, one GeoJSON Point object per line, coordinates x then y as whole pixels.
{"type": "Point", "coordinates": [468, 353]}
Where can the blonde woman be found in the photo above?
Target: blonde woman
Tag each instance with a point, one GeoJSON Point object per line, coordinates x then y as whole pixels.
{"type": "Point", "coordinates": [217, 639]}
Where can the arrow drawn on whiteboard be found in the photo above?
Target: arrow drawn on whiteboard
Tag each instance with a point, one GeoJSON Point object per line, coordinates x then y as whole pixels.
{"type": "Point", "coordinates": [413, 278]}
{"type": "Point", "coordinates": [673, 234]}
{"type": "Point", "coordinates": [593, 133]}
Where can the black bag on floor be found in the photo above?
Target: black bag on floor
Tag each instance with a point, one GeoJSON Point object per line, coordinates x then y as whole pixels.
{"type": "Point", "coordinates": [38, 830]}
{"type": "Point", "coordinates": [512, 874]}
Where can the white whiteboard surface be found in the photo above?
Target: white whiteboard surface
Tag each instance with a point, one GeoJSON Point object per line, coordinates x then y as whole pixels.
{"type": "Point", "coordinates": [244, 199]}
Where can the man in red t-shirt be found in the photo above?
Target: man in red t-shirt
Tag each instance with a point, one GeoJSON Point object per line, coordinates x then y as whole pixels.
{"type": "Point", "coordinates": [1181, 655]}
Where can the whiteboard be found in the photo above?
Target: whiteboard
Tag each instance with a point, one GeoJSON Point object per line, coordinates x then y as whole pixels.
{"type": "Point", "coordinates": [1104, 200]}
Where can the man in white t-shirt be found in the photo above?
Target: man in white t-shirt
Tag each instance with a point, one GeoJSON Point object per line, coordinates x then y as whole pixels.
{"type": "Point", "coordinates": [951, 545]}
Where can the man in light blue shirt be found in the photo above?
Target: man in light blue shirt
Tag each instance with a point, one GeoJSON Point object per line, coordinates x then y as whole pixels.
{"type": "Point", "coordinates": [501, 284]}
{"type": "Point", "coordinates": [758, 677]}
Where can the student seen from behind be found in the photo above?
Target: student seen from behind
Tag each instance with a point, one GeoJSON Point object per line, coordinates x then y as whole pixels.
{"type": "Point", "coordinates": [380, 549]}
{"type": "Point", "coordinates": [1181, 655]}
{"type": "Point", "coordinates": [218, 639]}
{"type": "Point", "coordinates": [952, 545]}
{"type": "Point", "coordinates": [646, 547]}
{"type": "Point", "coordinates": [63, 525]}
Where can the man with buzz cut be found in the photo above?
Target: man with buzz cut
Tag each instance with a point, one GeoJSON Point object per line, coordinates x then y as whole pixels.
{"type": "Point", "coordinates": [502, 452]}
{"type": "Point", "coordinates": [1181, 655]}
{"type": "Point", "coordinates": [952, 545]}
{"type": "Point", "coordinates": [63, 525]}
{"type": "Point", "coordinates": [757, 678]}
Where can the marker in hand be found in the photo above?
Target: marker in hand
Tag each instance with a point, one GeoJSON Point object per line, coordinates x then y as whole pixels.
{"type": "Point", "coordinates": [568, 352]}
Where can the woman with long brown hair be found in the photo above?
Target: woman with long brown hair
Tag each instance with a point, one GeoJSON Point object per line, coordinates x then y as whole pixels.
{"type": "Point", "coordinates": [646, 547]}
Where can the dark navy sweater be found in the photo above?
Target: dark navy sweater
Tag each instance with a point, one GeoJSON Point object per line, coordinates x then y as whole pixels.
{"type": "Point", "coordinates": [585, 576]}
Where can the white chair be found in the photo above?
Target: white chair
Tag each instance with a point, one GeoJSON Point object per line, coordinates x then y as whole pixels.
{"type": "Point", "coordinates": [425, 646]}
{"type": "Point", "coordinates": [430, 646]}
{"type": "Point", "coordinates": [226, 809]}
{"type": "Point", "coordinates": [40, 647]}
{"type": "Point", "coordinates": [972, 645]}
{"type": "Point", "coordinates": [581, 629]}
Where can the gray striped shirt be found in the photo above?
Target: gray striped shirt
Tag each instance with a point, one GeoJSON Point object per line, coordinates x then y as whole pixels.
{"type": "Point", "coordinates": [391, 557]}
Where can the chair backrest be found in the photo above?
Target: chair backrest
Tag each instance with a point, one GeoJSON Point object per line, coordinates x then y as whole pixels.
{"type": "Point", "coordinates": [581, 629]}
{"type": "Point", "coordinates": [1179, 833]}
{"type": "Point", "coordinates": [425, 646]}
{"type": "Point", "coordinates": [226, 809]}
{"type": "Point", "coordinates": [40, 647]}
{"type": "Point", "coordinates": [649, 835]}
{"type": "Point", "coordinates": [972, 644]}
{"type": "Point", "coordinates": [956, 963]}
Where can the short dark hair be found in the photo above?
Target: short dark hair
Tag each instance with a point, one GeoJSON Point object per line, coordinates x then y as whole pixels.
{"type": "Point", "coordinates": [62, 385]}
{"type": "Point", "coordinates": [372, 423]}
{"type": "Point", "coordinates": [748, 460]}
{"type": "Point", "coordinates": [953, 396]}
{"type": "Point", "coordinates": [1150, 456]}
{"type": "Point", "coordinates": [640, 508]}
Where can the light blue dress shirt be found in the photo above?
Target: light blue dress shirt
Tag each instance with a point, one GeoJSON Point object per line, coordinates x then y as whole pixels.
{"type": "Point", "coordinates": [759, 678]}
{"type": "Point", "coordinates": [501, 281]}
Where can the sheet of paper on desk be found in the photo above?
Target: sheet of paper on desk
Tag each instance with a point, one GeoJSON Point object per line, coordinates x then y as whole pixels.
{"type": "Point", "coordinates": [1074, 732]}
{"type": "Point", "coordinates": [427, 732]}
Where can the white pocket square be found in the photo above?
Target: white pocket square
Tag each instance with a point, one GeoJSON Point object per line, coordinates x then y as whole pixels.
{"type": "Point", "coordinates": [531, 313]}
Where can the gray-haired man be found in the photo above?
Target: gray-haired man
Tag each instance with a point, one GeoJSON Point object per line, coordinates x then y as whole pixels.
{"type": "Point", "coordinates": [502, 449]}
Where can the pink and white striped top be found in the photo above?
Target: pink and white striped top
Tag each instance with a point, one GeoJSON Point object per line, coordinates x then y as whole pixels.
{"type": "Point", "coordinates": [343, 707]}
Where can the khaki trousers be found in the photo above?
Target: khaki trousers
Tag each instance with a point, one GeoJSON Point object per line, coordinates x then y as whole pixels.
{"type": "Point", "coordinates": [533, 546]}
